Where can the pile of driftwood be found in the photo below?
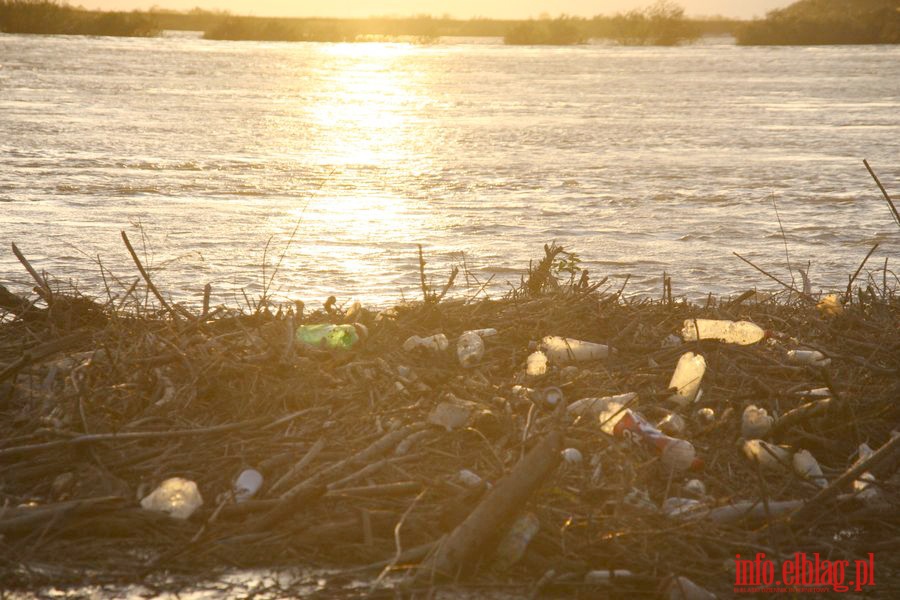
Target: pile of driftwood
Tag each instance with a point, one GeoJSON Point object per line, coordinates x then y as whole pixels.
{"type": "Point", "coordinates": [407, 470]}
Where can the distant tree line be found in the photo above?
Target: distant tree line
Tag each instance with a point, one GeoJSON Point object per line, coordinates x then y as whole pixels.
{"type": "Point", "coordinates": [50, 17]}
{"type": "Point", "coordinates": [826, 22]}
{"type": "Point", "coordinates": [663, 23]}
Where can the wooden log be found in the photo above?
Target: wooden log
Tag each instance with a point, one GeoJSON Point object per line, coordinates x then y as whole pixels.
{"type": "Point", "coordinates": [459, 553]}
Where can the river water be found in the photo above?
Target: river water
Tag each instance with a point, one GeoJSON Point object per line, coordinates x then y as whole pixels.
{"type": "Point", "coordinates": [221, 158]}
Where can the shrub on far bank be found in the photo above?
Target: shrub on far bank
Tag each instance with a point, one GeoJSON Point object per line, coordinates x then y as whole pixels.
{"type": "Point", "coordinates": [662, 24]}
{"type": "Point", "coordinates": [812, 22]}
{"type": "Point", "coordinates": [51, 17]}
{"type": "Point", "coordinates": [562, 31]}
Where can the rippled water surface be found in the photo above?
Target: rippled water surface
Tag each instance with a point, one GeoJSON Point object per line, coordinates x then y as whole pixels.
{"type": "Point", "coordinates": [640, 159]}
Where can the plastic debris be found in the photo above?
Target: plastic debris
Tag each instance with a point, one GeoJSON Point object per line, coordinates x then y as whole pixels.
{"type": "Point", "coordinates": [671, 341]}
{"type": "Point", "coordinates": [742, 333]}
{"type": "Point", "coordinates": [639, 500]}
{"type": "Point", "coordinates": [434, 343]}
{"type": "Point", "coordinates": [755, 422]}
{"type": "Point", "coordinates": [469, 478]}
{"type": "Point", "coordinates": [695, 488]}
{"type": "Point", "coordinates": [830, 306]}
{"type": "Point", "coordinates": [598, 407]}
{"type": "Point", "coordinates": [806, 466]}
{"type": "Point", "coordinates": [708, 415]}
{"type": "Point", "coordinates": [562, 351]}
{"type": "Point", "coordinates": [813, 358]}
{"type": "Point", "coordinates": [686, 378]}
{"type": "Point", "coordinates": [331, 337]}
{"type": "Point", "coordinates": [672, 424]}
{"type": "Point", "coordinates": [483, 333]}
{"type": "Point", "coordinates": [247, 484]}
{"type": "Point", "coordinates": [451, 414]}
{"type": "Point", "coordinates": [572, 456]}
{"type": "Point", "coordinates": [682, 588]}
{"type": "Point", "coordinates": [513, 545]}
{"type": "Point", "coordinates": [682, 507]}
{"type": "Point", "coordinates": [768, 455]}
{"type": "Point", "coordinates": [536, 364]}
{"type": "Point", "coordinates": [676, 454]}
{"type": "Point", "coordinates": [552, 396]}
{"type": "Point", "coordinates": [605, 576]}
{"type": "Point", "coordinates": [863, 487]}
{"type": "Point", "coordinates": [177, 497]}
{"type": "Point", "coordinates": [469, 349]}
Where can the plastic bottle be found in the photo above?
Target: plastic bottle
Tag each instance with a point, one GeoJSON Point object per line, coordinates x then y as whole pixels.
{"type": "Point", "coordinates": [768, 455]}
{"type": "Point", "coordinates": [743, 333]}
{"type": "Point", "coordinates": [676, 454]}
{"type": "Point", "coordinates": [513, 545]}
{"type": "Point", "coordinates": [755, 422]}
{"type": "Point", "coordinates": [813, 358]}
{"type": "Point", "coordinates": [434, 343]}
{"type": "Point", "coordinates": [331, 337]}
{"type": "Point", "coordinates": [695, 488]}
{"type": "Point", "coordinates": [469, 349]}
{"type": "Point", "coordinates": [561, 351]}
{"type": "Point", "coordinates": [247, 484]}
{"type": "Point", "coordinates": [672, 424]}
{"type": "Point", "coordinates": [177, 497]}
{"type": "Point", "coordinates": [686, 378]}
{"type": "Point", "coordinates": [605, 576]}
{"type": "Point", "coordinates": [469, 478]}
{"type": "Point", "coordinates": [806, 466]}
{"type": "Point", "coordinates": [536, 364]}
{"type": "Point", "coordinates": [863, 487]}
{"type": "Point", "coordinates": [487, 332]}
{"type": "Point", "coordinates": [600, 408]}
{"type": "Point", "coordinates": [572, 456]}
{"type": "Point", "coordinates": [552, 396]}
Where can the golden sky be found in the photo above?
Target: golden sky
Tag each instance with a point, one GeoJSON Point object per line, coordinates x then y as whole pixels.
{"type": "Point", "coordinates": [456, 8]}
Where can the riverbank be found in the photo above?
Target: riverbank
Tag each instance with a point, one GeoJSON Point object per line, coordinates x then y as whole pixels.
{"type": "Point", "coordinates": [378, 458]}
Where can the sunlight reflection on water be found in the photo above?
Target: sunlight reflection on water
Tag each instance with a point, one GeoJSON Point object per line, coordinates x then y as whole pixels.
{"type": "Point", "coordinates": [639, 159]}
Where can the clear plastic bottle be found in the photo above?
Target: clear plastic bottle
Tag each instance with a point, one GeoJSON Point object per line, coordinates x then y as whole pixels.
{"type": "Point", "coordinates": [806, 466]}
{"type": "Point", "coordinates": [686, 378]}
{"type": "Point", "coordinates": [177, 497]}
{"type": "Point", "coordinates": [513, 545]}
{"type": "Point", "coordinates": [434, 343]}
{"type": "Point", "coordinates": [755, 422]}
{"type": "Point", "coordinates": [743, 333]}
{"type": "Point", "coordinates": [469, 349]}
{"type": "Point", "coordinates": [561, 350]}
{"type": "Point", "coordinates": [331, 337]}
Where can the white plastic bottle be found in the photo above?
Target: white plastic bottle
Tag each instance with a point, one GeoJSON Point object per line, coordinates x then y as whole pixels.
{"type": "Point", "coordinates": [561, 350]}
{"type": "Point", "coordinates": [469, 349]}
{"type": "Point", "coordinates": [813, 358]}
{"type": "Point", "coordinates": [743, 333]}
{"type": "Point", "coordinates": [686, 378]}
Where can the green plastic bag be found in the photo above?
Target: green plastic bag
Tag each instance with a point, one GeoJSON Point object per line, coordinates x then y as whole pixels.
{"type": "Point", "coordinates": [331, 337]}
